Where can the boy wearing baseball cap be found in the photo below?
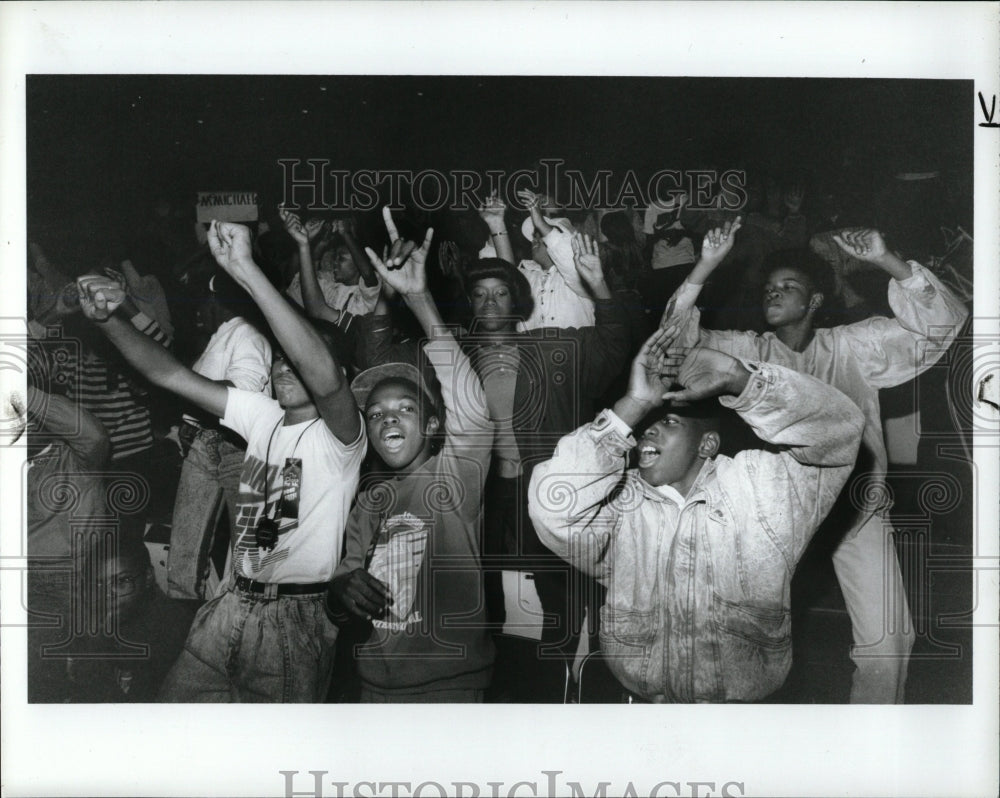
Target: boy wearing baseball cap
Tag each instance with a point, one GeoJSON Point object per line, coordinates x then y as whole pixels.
{"type": "Point", "coordinates": [412, 560]}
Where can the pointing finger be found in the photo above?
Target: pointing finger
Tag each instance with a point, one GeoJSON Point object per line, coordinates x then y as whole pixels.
{"type": "Point", "coordinates": [390, 225]}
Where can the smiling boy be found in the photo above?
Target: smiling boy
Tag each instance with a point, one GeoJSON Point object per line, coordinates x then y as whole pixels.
{"type": "Point", "coordinates": [412, 560]}
{"type": "Point", "coordinates": [697, 550]}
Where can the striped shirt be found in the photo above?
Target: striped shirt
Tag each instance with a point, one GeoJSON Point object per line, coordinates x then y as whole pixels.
{"type": "Point", "coordinates": [114, 397]}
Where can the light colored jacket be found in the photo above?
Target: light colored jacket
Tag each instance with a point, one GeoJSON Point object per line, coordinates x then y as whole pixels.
{"type": "Point", "coordinates": [857, 359]}
{"type": "Point", "coordinates": [698, 597]}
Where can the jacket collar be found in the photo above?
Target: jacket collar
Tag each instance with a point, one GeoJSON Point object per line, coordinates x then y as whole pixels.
{"type": "Point", "coordinates": [699, 490]}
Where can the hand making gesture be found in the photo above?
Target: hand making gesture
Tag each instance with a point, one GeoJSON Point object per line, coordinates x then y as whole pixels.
{"type": "Point", "coordinates": [230, 246]}
{"type": "Point", "coordinates": [719, 242]}
{"type": "Point", "coordinates": [706, 373]}
{"type": "Point", "coordinates": [293, 224]}
{"type": "Point", "coordinates": [867, 244]}
{"type": "Point", "coordinates": [403, 267]}
{"type": "Point", "coordinates": [492, 212]}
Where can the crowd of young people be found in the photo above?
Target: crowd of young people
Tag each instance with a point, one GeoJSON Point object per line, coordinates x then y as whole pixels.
{"type": "Point", "coordinates": [382, 429]}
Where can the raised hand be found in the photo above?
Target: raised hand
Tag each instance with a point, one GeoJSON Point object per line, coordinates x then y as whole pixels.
{"type": "Point", "coordinates": [706, 373]}
{"type": "Point", "coordinates": [229, 244]}
{"type": "Point", "coordinates": [99, 296]}
{"type": "Point", "coordinates": [587, 259]}
{"type": "Point", "coordinates": [492, 211]}
{"type": "Point", "coordinates": [404, 273]}
{"type": "Point", "coordinates": [719, 242]}
{"type": "Point", "coordinates": [862, 243]}
{"type": "Point", "coordinates": [314, 227]}
{"type": "Point", "coordinates": [654, 368]}
{"type": "Point", "coordinates": [398, 249]}
{"type": "Point", "coordinates": [529, 198]}
{"type": "Point", "coordinates": [293, 224]}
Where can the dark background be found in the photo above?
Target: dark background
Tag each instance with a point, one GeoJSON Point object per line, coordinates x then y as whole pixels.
{"type": "Point", "coordinates": [102, 149]}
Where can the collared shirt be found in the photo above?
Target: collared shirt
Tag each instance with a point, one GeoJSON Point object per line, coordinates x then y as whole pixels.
{"type": "Point", "coordinates": [556, 303]}
{"type": "Point", "coordinates": [561, 299]}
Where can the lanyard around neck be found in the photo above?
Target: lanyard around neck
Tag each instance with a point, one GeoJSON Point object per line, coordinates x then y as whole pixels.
{"type": "Point", "coordinates": [267, 456]}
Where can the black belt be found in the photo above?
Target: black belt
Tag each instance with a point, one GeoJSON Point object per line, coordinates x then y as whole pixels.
{"type": "Point", "coordinates": [272, 589]}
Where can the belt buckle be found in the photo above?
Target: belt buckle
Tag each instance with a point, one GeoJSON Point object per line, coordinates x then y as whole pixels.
{"type": "Point", "coordinates": [271, 590]}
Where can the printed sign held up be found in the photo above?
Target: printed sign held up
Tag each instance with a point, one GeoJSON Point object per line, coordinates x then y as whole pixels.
{"type": "Point", "coordinates": [227, 206]}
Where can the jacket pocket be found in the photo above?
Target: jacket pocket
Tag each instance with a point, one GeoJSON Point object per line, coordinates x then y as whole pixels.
{"type": "Point", "coordinates": [631, 627]}
{"type": "Point", "coordinates": [755, 647]}
{"type": "Point", "coordinates": [627, 639]}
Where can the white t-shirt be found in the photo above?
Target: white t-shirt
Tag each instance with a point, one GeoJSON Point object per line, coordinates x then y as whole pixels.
{"type": "Point", "coordinates": [237, 352]}
{"type": "Point", "coordinates": [308, 548]}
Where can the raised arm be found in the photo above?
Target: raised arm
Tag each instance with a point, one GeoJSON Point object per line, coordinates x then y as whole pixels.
{"type": "Point", "coordinates": [605, 346]}
{"type": "Point", "coordinates": [927, 319]}
{"type": "Point", "coordinates": [533, 202]}
{"type": "Point", "coordinates": [492, 212]}
{"type": "Point", "coordinates": [568, 497]}
{"type": "Point", "coordinates": [312, 295]}
{"type": "Point", "coordinates": [320, 372]}
{"type": "Point", "coordinates": [346, 229]}
{"type": "Point", "coordinates": [467, 413]}
{"type": "Point", "coordinates": [716, 245]}
{"type": "Point", "coordinates": [100, 297]}
{"type": "Point", "coordinates": [819, 431]}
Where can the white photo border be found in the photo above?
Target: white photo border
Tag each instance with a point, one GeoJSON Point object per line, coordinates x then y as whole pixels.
{"type": "Point", "coordinates": [240, 750]}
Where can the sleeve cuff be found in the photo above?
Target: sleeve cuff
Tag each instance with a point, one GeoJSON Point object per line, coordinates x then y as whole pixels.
{"type": "Point", "coordinates": [762, 376]}
{"type": "Point", "coordinates": [917, 281]}
{"type": "Point", "coordinates": [608, 428]}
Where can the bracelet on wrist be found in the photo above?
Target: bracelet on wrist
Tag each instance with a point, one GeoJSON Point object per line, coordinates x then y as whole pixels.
{"type": "Point", "coordinates": [498, 233]}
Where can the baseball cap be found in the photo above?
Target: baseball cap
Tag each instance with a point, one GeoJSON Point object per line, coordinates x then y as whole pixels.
{"type": "Point", "coordinates": [368, 379]}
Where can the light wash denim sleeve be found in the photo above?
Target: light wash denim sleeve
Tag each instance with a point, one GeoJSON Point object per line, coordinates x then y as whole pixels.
{"type": "Point", "coordinates": [682, 311]}
{"type": "Point", "coordinates": [819, 430]}
{"type": "Point", "coordinates": [568, 495]}
{"type": "Point", "coordinates": [928, 316]}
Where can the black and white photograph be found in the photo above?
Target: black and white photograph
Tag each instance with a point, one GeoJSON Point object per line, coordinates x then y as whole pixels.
{"type": "Point", "coordinates": [548, 363]}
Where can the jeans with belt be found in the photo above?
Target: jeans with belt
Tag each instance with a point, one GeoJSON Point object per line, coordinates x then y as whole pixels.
{"type": "Point", "coordinates": [248, 647]}
{"type": "Point", "coordinates": [209, 484]}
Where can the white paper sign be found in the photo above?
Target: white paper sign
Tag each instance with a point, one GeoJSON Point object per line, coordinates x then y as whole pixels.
{"type": "Point", "coordinates": [227, 206]}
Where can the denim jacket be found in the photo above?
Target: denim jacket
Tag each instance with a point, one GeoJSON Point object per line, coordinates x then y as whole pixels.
{"type": "Point", "coordinates": [858, 359]}
{"type": "Point", "coordinates": [698, 597]}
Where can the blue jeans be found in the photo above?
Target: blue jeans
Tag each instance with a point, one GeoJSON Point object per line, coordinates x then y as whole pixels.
{"type": "Point", "coordinates": [210, 476]}
{"type": "Point", "coordinates": [244, 647]}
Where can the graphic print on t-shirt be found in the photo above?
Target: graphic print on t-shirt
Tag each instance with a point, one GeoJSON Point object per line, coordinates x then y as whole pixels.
{"type": "Point", "coordinates": [396, 561]}
{"type": "Point", "coordinates": [249, 559]}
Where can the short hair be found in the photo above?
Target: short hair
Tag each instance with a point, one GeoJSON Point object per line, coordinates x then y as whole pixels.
{"type": "Point", "coordinates": [131, 548]}
{"type": "Point", "coordinates": [498, 269]}
{"type": "Point", "coordinates": [337, 343]}
{"type": "Point", "coordinates": [228, 293]}
{"type": "Point", "coordinates": [810, 265]}
{"type": "Point", "coordinates": [617, 228]}
{"type": "Point", "coordinates": [707, 412]}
